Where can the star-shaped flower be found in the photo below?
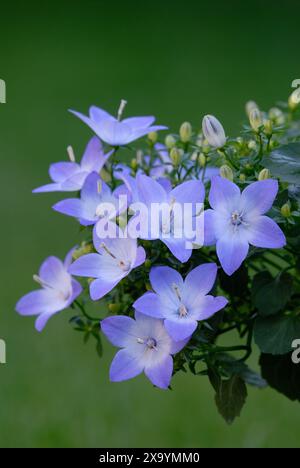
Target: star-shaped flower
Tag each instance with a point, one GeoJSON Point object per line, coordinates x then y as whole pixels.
{"type": "Point", "coordinates": [96, 202]}
{"type": "Point", "coordinates": [117, 132]}
{"type": "Point", "coordinates": [146, 347]}
{"type": "Point", "coordinates": [58, 291]}
{"type": "Point", "coordinates": [237, 220]}
{"type": "Point", "coordinates": [70, 176]}
{"type": "Point", "coordinates": [181, 303]}
{"type": "Point", "coordinates": [115, 259]}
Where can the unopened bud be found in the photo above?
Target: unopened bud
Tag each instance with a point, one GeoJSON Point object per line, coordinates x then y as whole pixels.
{"type": "Point", "coordinates": [148, 264]}
{"type": "Point", "coordinates": [276, 115]}
{"type": "Point", "coordinates": [202, 159]}
{"type": "Point", "coordinates": [114, 308]}
{"type": "Point", "coordinates": [194, 155]}
{"type": "Point", "coordinates": [84, 249]}
{"type": "Point", "coordinates": [268, 128]}
{"type": "Point", "coordinates": [286, 210]}
{"type": "Point", "coordinates": [134, 164]}
{"type": "Point", "coordinates": [153, 136]}
{"type": "Point", "coordinates": [175, 155]}
{"type": "Point", "coordinates": [105, 175]}
{"type": "Point", "coordinates": [185, 132]}
{"type": "Point", "coordinates": [170, 141]}
{"type": "Point", "coordinates": [294, 99]}
{"type": "Point", "coordinates": [226, 172]}
{"type": "Point", "coordinates": [213, 131]}
{"type": "Point", "coordinates": [264, 174]}
{"type": "Point", "coordinates": [250, 106]}
{"type": "Point", "coordinates": [255, 119]}
{"type": "Point", "coordinates": [252, 145]}
{"type": "Point", "coordinates": [242, 177]}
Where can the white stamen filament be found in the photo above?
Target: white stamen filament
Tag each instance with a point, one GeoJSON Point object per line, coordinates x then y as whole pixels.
{"type": "Point", "coordinates": [104, 246]}
{"type": "Point", "coordinates": [41, 282]}
{"type": "Point", "coordinates": [149, 342]}
{"type": "Point", "coordinates": [177, 291]}
{"type": "Point", "coordinates": [71, 154]}
{"type": "Point", "coordinates": [121, 108]}
{"type": "Point", "coordinates": [125, 266]}
{"type": "Point", "coordinates": [99, 186]}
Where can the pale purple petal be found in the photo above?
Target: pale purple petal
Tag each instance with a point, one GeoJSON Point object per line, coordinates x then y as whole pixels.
{"type": "Point", "coordinates": [200, 280]}
{"type": "Point", "coordinates": [37, 302]}
{"type": "Point", "coordinates": [48, 188]}
{"type": "Point", "coordinates": [140, 257]}
{"type": "Point", "coordinates": [165, 183]}
{"type": "Point", "coordinates": [161, 374]}
{"type": "Point", "coordinates": [163, 279]}
{"type": "Point", "coordinates": [92, 159]}
{"type": "Point", "coordinates": [208, 306]}
{"type": "Point", "coordinates": [232, 251]}
{"type": "Point", "coordinates": [209, 227]}
{"type": "Point", "coordinates": [191, 191]}
{"type": "Point", "coordinates": [74, 182]}
{"type": "Point", "coordinates": [53, 272]}
{"type": "Point", "coordinates": [98, 114]}
{"type": "Point", "coordinates": [70, 207]}
{"type": "Point", "coordinates": [265, 233]}
{"type": "Point", "coordinates": [114, 133]}
{"type": "Point", "coordinates": [178, 249]}
{"type": "Point", "coordinates": [119, 330]}
{"type": "Point", "coordinates": [63, 170]}
{"type": "Point", "coordinates": [125, 366]}
{"type": "Point", "coordinates": [138, 133]}
{"type": "Point", "coordinates": [91, 123]}
{"type": "Point", "coordinates": [177, 346]}
{"type": "Point", "coordinates": [89, 266]}
{"type": "Point", "coordinates": [99, 288]}
{"type": "Point", "coordinates": [150, 191]}
{"type": "Point", "coordinates": [42, 320]}
{"type": "Point", "coordinates": [69, 257]}
{"type": "Point", "coordinates": [224, 195]}
{"type": "Point", "coordinates": [180, 328]}
{"type": "Point", "coordinates": [139, 122]}
{"type": "Point", "coordinates": [151, 304]}
{"type": "Point", "coordinates": [259, 197]}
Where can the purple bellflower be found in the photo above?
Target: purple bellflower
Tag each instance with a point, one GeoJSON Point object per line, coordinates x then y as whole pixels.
{"type": "Point", "coordinates": [96, 202]}
{"type": "Point", "coordinates": [70, 176]}
{"type": "Point", "coordinates": [238, 219]}
{"type": "Point", "coordinates": [146, 347]}
{"type": "Point", "coordinates": [181, 303]}
{"type": "Point", "coordinates": [151, 193]}
{"type": "Point", "coordinates": [58, 291]}
{"type": "Point", "coordinates": [115, 258]}
{"type": "Point", "coordinates": [114, 131]}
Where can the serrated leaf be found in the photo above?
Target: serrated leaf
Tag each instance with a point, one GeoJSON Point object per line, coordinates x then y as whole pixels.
{"type": "Point", "coordinates": [270, 295]}
{"type": "Point", "coordinates": [275, 335]}
{"type": "Point", "coordinates": [284, 163]}
{"type": "Point", "coordinates": [282, 374]}
{"type": "Point", "coordinates": [231, 397]}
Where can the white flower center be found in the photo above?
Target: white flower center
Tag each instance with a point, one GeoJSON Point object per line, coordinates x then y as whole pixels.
{"type": "Point", "coordinates": [150, 343]}
{"type": "Point", "coordinates": [236, 218]}
{"type": "Point", "coordinates": [123, 264]}
{"type": "Point", "coordinates": [182, 311]}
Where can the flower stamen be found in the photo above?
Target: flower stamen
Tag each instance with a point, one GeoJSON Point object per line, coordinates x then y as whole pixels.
{"type": "Point", "coordinates": [121, 109]}
{"type": "Point", "coordinates": [71, 154]}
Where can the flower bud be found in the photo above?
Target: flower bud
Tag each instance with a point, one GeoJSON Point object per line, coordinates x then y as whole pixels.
{"type": "Point", "coordinates": [176, 155]}
{"type": "Point", "coordinates": [268, 128]}
{"type": "Point", "coordinates": [213, 131]}
{"type": "Point", "coordinates": [294, 99]}
{"type": "Point", "coordinates": [153, 136]}
{"type": "Point", "coordinates": [226, 172]}
{"type": "Point", "coordinates": [286, 210]}
{"type": "Point", "coordinates": [134, 164]}
{"type": "Point", "coordinates": [264, 174]}
{"type": "Point", "coordinates": [185, 132]}
{"type": "Point", "coordinates": [194, 155]}
{"type": "Point", "coordinates": [84, 249]}
{"type": "Point", "coordinates": [277, 116]}
{"type": "Point", "coordinates": [250, 106]}
{"type": "Point", "coordinates": [255, 119]}
{"type": "Point", "coordinates": [114, 308]}
{"type": "Point", "coordinates": [202, 160]}
{"type": "Point", "coordinates": [242, 177]}
{"type": "Point", "coordinates": [170, 141]}
{"type": "Point", "coordinates": [252, 145]}
{"type": "Point", "coordinates": [240, 141]}
{"type": "Point", "coordinates": [148, 264]}
{"type": "Point", "coordinates": [105, 175]}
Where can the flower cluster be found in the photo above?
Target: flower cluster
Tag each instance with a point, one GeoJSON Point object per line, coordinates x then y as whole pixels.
{"type": "Point", "coordinates": [187, 242]}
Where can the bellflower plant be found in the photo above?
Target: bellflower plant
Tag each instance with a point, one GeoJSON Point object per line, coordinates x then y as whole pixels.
{"type": "Point", "coordinates": [194, 238]}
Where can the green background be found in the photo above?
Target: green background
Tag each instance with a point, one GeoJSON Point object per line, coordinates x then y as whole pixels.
{"type": "Point", "coordinates": [177, 60]}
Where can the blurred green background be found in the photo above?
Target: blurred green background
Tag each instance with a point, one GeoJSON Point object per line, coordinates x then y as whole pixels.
{"type": "Point", "coordinates": [177, 60]}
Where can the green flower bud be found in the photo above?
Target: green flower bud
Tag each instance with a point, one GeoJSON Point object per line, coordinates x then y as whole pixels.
{"type": "Point", "coordinates": [194, 155]}
{"type": "Point", "coordinates": [268, 128]}
{"type": "Point", "coordinates": [185, 132]}
{"type": "Point", "coordinates": [176, 155]}
{"type": "Point", "coordinates": [148, 264]}
{"type": "Point", "coordinates": [202, 160]}
{"type": "Point", "coordinates": [114, 308]}
{"type": "Point", "coordinates": [264, 174]}
{"type": "Point", "coordinates": [277, 116]}
{"type": "Point", "coordinates": [105, 175]}
{"type": "Point", "coordinates": [250, 106]}
{"type": "Point", "coordinates": [242, 177]}
{"type": "Point", "coordinates": [153, 136]}
{"type": "Point", "coordinates": [252, 145]}
{"type": "Point", "coordinates": [170, 141]}
{"type": "Point", "coordinates": [294, 99]}
{"type": "Point", "coordinates": [84, 249]}
{"type": "Point", "coordinates": [134, 164]}
{"type": "Point", "coordinates": [226, 172]}
{"type": "Point", "coordinates": [286, 210]}
{"type": "Point", "coordinates": [255, 119]}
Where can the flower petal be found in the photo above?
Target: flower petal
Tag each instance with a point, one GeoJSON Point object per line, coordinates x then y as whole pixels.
{"type": "Point", "coordinates": [63, 170]}
{"type": "Point", "coordinates": [54, 273]}
{"type": "Point", "coordinates": [139, 122]}
{"type": "Point", "coordinates": [191, 191]}
{"type": "Point", "coordinates": [209, 227]}
{"type": "Point", "coordinates": [150, 191]}
{"type": "Point", "coordinates": [178, 249]}
{"type": "Point", "coordinates": [125, 366]}
{"type": "Point", "coordinates": [232, 251]}
{"type": "Point", "coordinates": [224, 195]}
{"type": "Point", "coordinates": [118, 330]}
{"type": "Point", "coordinates": [89, 265]}
{"type": "Point", "coordinates": [208, 306]}
{"type": "Point", "coordinates": [97, 114]}
{"type": "Point", "coordinates": [93, 158]}
{"type": "Point", "coordinates": [150, 304]}
{"type": "Point", "coordinates": [42, 320]}
{"type": "Point", "coordinates": [140, 257]}
{"type": "Point", "coordinates": [199, 282]}
{"type": "Point", "coordinates": [181, 328]}
{"type": "Point", "coordinates": [265, 233]}
{"type": "Point", "coordinates": [70, 207]}
{"type": "Point", "coordinates": [259, 197]}
{"type": "Point", "coordinates": [161, 374]}
{"type": "Point", "coordinates": [162, 280]}
{"type": "Point", "coordinates": [40, 301]}
{"type": "Point", "coordinates": [99, 288]}
{"type": "Point", "coordinates": [48, 188]}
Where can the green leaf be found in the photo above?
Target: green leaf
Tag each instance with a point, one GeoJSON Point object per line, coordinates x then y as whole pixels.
{"type": "Point", "coordinates": [282, 374]}
{"type": "Point", "coordinates": [236, 367]}
{"type": "Point", "coordinates": [274, 335]}
{"type": "Point", "coordinates": [271, 295]}
{"type": "Point", "coordinates": [284, 163]}
{"type": "Point", "coordinates": [231, 397]}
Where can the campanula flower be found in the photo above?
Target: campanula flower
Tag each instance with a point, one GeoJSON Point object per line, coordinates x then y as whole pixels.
{"type": "Point", "coordinates": [116, 257]}
{"type": "Point", "coordinates": [238, 219]}
{"type": "Point", "coordinates": [70, 176]}
{"type": "Point", "coordinates": [146, 347]}
{"type": "Point", "coordinates": [181, 303]}
{"type": "Point", "coordinates": [96, 201]}
{"type": "Point", "coordinates": [58, 291]}
{"type": "Point", "coordinates": [114, 131]}
{"type": "Point", "coordinates": [173, 233]}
